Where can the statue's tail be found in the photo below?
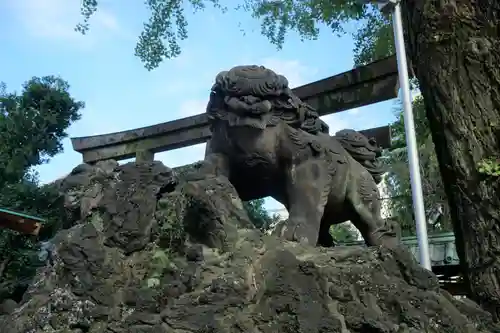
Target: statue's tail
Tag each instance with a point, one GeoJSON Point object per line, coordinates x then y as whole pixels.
{"type": "Point", "coordinates": [364, 150]}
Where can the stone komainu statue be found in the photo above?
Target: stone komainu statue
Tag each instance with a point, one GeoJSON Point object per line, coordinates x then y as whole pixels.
{"type": "Point", "coordinates": [270, 143]}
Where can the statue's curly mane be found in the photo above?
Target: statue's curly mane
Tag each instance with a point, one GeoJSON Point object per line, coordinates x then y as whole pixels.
{"type": "Point", "coordinates": [257, 96]}
{"type": "Point", "coordinates": [256, 91]}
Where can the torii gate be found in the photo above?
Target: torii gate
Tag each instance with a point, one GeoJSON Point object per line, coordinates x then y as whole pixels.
{"type": "Point", "coordinates": [360, 86]}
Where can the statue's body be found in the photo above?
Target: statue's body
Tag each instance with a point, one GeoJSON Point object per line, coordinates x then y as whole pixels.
{"type": "Point", "coordinates": [269, 143]}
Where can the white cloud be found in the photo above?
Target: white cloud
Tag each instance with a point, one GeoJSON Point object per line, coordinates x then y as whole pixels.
{"type": "Point", "coordinates": [172, 88]}
{"type": "Point", "coordinates": [56, 20]}
{"type": "Point", "coordinates": [188, 57]}
{"type": "Point", "coordinates": [183, 87]}
{"type": "Point", "coordinates": [107, 21]}
{"type": "Point", "coordinates": [182, 156]}
{"type": "Point", "coordinates": [192, 107]}
{"type": "Point", "coordinates": [296, 73]}
{"type": "Point", "coordinates": [336, 122]}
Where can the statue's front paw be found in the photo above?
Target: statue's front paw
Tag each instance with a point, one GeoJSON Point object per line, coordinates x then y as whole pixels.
{"type": "Point", "coordinates": [287, 232]}
{"type": "Point", "coordinates": [299, 232]}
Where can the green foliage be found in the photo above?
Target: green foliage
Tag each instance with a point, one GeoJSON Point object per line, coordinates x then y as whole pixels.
{"type": "Point", "coordinates": [19, 262]}
{"type": "Point", "coordinates": [489, 166]}
{"type": "Point", "coordinates": [42, 201]}
{"type": "Point", "coordinates": [258, 214]}
{"type": "Point", "coordinates": [165, 29]}
{"type": "Point", "coordinates": [343, 233]}
{"type": "Point", "coordinates": [160, 261]}
{"type": "Point", "coordinates": [32, 125]}
{"type": "Point", "coordinates": [167, 24]}
{"type": "Point", "coordinates": [374, 39]}
{"type": "Point", "coordinates": [19, 253]}
{"type": "Point", "coordinates": [279, 17]}
{"type": "Point", "coordinates": [171, 210]}
{"type": "Point", "coordinates": [398, 177]}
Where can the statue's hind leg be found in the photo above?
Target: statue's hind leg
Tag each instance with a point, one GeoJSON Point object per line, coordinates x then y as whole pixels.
{"type": "Point", "coordinates": [364, 199]}
{"type": "Point", "coordinates": [307, 191]}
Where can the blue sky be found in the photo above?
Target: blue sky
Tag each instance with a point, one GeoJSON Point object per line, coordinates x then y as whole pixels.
{"type": "Point", "coordinates": [121, 94]}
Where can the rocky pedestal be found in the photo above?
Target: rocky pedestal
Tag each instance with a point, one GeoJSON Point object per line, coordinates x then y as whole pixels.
{"type": "Point", "coordinates": [151, 253]}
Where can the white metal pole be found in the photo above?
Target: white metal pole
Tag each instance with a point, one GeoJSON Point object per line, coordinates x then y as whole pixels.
{"type": "Point", "coordinates": [411, 141]}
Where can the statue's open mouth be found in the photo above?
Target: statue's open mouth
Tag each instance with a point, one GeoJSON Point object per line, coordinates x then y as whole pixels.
{"type": "Point", "coordinates": [255, 121]}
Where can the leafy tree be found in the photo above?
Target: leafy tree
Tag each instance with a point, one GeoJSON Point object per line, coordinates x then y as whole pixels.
{"type": "Point", "coordinates": [453, 48]}
{"type": "Point", "coordinates": [343, 233]}
{"type": "Point", "coordinates": [258, 214]}
{"type": "Point", "coordinates": [32, 125]}
{"type": "Point", "coordinates": [398, 188]}
{"type": "Point", "coordinates": [167, 24]}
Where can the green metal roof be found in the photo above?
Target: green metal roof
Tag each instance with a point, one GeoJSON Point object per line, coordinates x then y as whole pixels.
{"type": "Point", "coordinates": [6, 211]}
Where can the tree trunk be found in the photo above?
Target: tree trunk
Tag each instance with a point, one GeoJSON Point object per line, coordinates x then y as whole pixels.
{"type": "Point", "coordinates": [3, 267]}
{"type": "Point", "coordinates": [454, 46]}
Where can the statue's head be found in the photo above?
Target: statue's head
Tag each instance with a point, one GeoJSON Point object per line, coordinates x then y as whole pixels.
{"type": "Point", "coordinates": [257, 97]}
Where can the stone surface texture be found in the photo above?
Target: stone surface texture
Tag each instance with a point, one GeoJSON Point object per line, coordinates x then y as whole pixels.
{"type": "Point", "coordinates": [269, 143]}
{"type": "Point", "coordinates": [150, 252]}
